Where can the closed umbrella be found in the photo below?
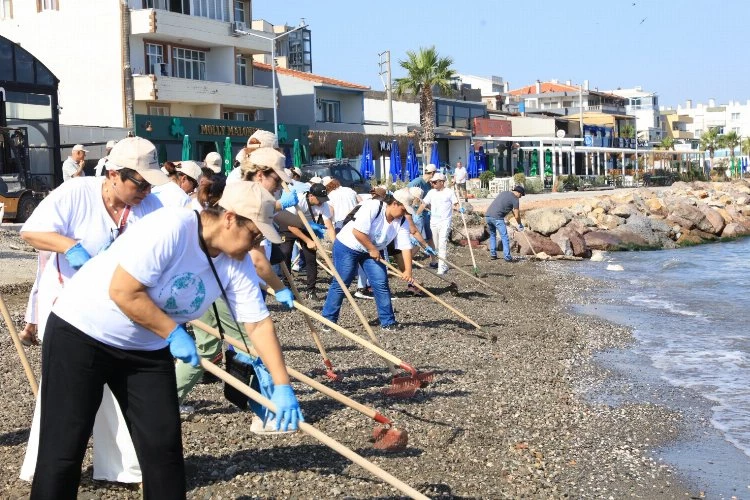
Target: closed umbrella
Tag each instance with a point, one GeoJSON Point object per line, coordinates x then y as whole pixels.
{"type": "Point", "coordinates": [339, 149]}
{"type": "Point", "coordinates": [366, 167]}
{"type": "Point", "coordinates": [186, 148]}
{"type": "Point", "coordinates": [228, 163]}
{"type": "Point", "coordinates": [395, 161]}
{"type": "Point", "coordinates": [412, 162]}
{"type": "Point", "coordinates": [481, 160]}
{"type": "Point", "coordinates": [471, 167]}
{"type": "Point", "coordinates": [435, 159]}
{"type": "Point", "coordinates": [297, 154]}
{"type": "Point", "coordinates": [162, 153]}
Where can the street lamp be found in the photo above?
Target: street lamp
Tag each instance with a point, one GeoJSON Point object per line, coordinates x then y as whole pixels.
{"type": "Point", "coordinates": [273, 39]}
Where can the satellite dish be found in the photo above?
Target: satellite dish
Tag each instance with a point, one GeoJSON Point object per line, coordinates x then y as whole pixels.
{"type": "Point", "coordinates": [560, 133]}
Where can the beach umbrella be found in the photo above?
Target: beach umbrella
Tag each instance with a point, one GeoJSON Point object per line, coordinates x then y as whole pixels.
{"type": "Point", "coordinates": [412, 162]}
{"type": "Point", "coordinates": [305, 154]}
{"type": "Point", "coordinates": [395, 161]}
{"type": "Point", "coordinates": [186, 148]}
{"type": "Point", "coordinates": [435, 158]}
{"type": "Point", "coordinates": [297, 154]}
{"type": "Point", "coordinates": [366, 167]}
{"type": "Point", "coordinates": [287, 157]}
{"type": "Point", "coordinates": [471, 164]}
{"type": "Point", "coordinates": [228, 158]}
{"type": "Point", "coordinates": [162, 153]}
{"type": "Point", "coordinates": [481, 160]}
{"type": "Point", "coordinates": [339, 149]}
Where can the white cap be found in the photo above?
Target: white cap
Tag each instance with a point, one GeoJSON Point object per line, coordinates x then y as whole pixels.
{"type": "Point", "coordinates": [326, 180]}
{"type": "Point", "coordinates": [438, 177]}
{"type": "Point", "coordinates": [263, 139]}
{"type": "Point", "coordinates": [404, 197]}
{"type": "Point", "coordinates": [416, 192]}
{"type": "Point", "coordinates": [430, 168]}
{"type": "Point", "coordinates": [316, 180]}
{"type": "Point", "coordinates": [269, 157]}
{"type": "Point", "coordinates": [79, 147]}
{"type": "Point", "coordinates": [297, 171]}
{"type": "Point", "coordinates": [190, 168]}
{"type": "Point", "coordinates": [241, 155]}
{"type": "Point", "coordinates": [110, 144]}
{"type": "Point", "coordinates": [252, 201]}
{"type": "Point", "coordinates": [213, 161]}
{"type": "Point", "coordinates": [139, 154]}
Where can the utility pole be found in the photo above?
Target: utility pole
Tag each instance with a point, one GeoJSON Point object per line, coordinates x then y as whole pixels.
{"type": "Point", "coordinates": [385, 69]}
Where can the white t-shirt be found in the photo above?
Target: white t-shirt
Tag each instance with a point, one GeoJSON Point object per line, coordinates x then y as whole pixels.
{"type": "Point", "coordinates": [76, 210]}
{"type": "Point", "coordinates": [440, 203]}
{"type": "Point", "coordinates": [163, 253]}
{"type": "Point", "coordinates": [70, 167]}
{"type": "Point", "coordinates": [343, 199]}
{"type": "Point", "coordinates": [376, 227]}
{"type": "Point", "coordinates": [460, 175]}
{"type": "Point", "coordinates": [171, 195]}
{"type": "Point", "coordinates": [317, 210]}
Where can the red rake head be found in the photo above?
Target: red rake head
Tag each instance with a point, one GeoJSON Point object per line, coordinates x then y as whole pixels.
{"type": "Point", "coordinates": [403, 391]}
{"type": "Point", "coordinates": [419, 379]}
{"type": "Point", "coordinates": [330, 373]}
{"type": "Point", "coordinates": [389, 438]}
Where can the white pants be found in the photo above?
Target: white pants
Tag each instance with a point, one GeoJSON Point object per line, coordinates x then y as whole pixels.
{"type": "Point", "coordinates": [440, 230]}
{"type": "Point", "coordinates": [114, 455]}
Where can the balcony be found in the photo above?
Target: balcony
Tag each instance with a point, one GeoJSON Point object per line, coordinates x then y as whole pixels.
{"type": "Point", "coordinates": [166, 26]}
{"type": "Point", "coordinates": [183, 90]}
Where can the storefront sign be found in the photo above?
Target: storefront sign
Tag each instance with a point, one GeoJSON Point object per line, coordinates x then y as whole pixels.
{"type": "Point", "coordinates": [225, 130]}
{"type": "Point", "coordinates": [493, 128]}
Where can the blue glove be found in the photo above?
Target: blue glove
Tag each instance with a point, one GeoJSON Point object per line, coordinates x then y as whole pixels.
{"type": "Point", "coordinates": [241, 357]}
{"type": "Point", "coordinates": [77, 256]}
{"type": "Point", "coordinates": [430, 251]}
{"type": "Point", "coordinates": [318, 229]}
{"type": "Point", "coordinates": [182, 346]}
{"type": "Point", "coordinates": [417, 217]}
{"type": "Point", "coordinates": [288, 199]}
{"type": "Point", "coordinates": [287, 408]}
{"type": "Point", "coordinates": [286, 297]}
{"type": "Point", "coordinates": [462, 210]}
{"type": "Point", "coordinates": [520, 227]}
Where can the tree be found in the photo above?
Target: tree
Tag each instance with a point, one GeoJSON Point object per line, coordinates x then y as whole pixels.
{"type": "Point", "coordinates": [666, 144]}
{"type": "Point", "coordinates": [426, 71]}
{"type": "Point", "coordinates": [710, 142]}
{"type": "Point", "coordinates": [746, 146]}
{"type": "Point", "coordinates": [627, 131]}
{"type": "Point", "coordinates": [730, 140]}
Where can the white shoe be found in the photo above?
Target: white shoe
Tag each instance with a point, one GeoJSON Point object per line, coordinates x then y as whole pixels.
{"type": "Point", "coordinates": [257, 427]}
{"type": "Point", "coordinates": [187, 410]}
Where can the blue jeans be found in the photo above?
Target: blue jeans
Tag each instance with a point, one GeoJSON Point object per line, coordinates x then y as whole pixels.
{"type": "Point", "coordinates": [346, 261]}
{"type": "Point", "coordinates": [495, 225]}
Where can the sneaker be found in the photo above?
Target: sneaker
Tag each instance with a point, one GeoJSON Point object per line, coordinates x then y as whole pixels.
{"type": "Point", "coordinates": [364, 293]}
{"type": "Point", "coordinates": [434, 265]}
{"type": "Point", "coordinates": [295, 268]}
{"type": "Point", "coordinates": [257, 427]}
{"type": "Point", "coordinates": [493, 257]}
{"type": "Point", "coordinates": [311, 295]}
{"type": "Point", "coordinates": [393, 327]}
{"type": "Point", "coordinates": [509, 259]}
{"type": "Point", "coordinates": [187, 409]}
{"type": "Point", "coordinates": [443, 272]}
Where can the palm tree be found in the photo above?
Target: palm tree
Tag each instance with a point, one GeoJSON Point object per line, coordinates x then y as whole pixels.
{"type": "Point", "coordinates": [627, 131]}
{"type": "Point", "coordinates": [730, 140]}
{"type": "Point", "coordinates": [710, 143]}
{"type": "Point", "coordinates": [666, 144]}
{"type": "Point", "coordinates": [426, 70]}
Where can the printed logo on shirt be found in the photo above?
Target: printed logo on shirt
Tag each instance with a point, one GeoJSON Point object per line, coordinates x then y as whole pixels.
{"type": "Point", "coordinates": [183, 294]}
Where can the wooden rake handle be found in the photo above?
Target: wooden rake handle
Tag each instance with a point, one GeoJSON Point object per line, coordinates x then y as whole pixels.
{"type": "Point", "coordinates": [315, 433]}
{"type": "Point", "coordinates": [466, 230]}
{"type": "Point", "coordinates": [475, 278]}
{"type": "Point", "coordinates": [19, 347]}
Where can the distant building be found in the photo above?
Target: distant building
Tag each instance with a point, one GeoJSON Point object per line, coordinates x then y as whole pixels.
{"type": "Point", "coordinates": [293, 51]}
{"type": "Point", "coordinates": [645, 107]}
{"type": "Point", "coordinates": [732, 116]}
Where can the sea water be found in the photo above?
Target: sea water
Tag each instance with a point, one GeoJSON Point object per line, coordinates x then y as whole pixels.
{"type": "Point", "coordinates": [690, 311]}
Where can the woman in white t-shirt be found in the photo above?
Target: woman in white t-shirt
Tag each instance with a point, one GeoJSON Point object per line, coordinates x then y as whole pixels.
{"type": "Point", "coordinates": [361, 241]}
{"type": "Point", "coordinates": [78, 220]}
{"type": "Point", "coordinates": [163, 272]}
{"type": "Point", "coordinates": [341, 199]}
{"type": "Point", "coordinates": [441, 201]}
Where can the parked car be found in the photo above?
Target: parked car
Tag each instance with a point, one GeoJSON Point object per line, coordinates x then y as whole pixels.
{"type": "Point", "coordinates": [346, 174]}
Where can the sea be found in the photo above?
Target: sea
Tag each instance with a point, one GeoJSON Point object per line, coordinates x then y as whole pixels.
{"type": "Point", "coordinates": [689, 309]}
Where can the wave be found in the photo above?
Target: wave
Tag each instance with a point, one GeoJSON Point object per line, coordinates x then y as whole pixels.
{"type": "Point", "coordinates": [652, 302]}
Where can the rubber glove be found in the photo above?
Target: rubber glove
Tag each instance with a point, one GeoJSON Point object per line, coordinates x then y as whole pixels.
{"type": "Point", "coordinates": [318, 229]}
{"type": "Point", "coordinates": [462, 210]}
{"type": "Point", "coordinates": [77, 256]}
{"type": "Point", "coordinates": [182, 346]}
{"type": "Point", "coordinates": [430, 251]}
{"type": "Point", "coordinates": [287, 408]}
{"type": "Point", "coordinates": [417, 217]}
{"type": "Point", "coordinates": [286, 297]}
{"type": "Point", "coordinates": [288, 199]}
{"type": "Point", "coordinates": [241, 357]}
{"type": "Point", "coordinates": [520, 227]}
{"type": "Point", "coordinates": [413, 241]}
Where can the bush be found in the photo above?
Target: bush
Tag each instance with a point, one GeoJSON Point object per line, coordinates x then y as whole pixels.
{"type": "Point", "coordinates": [533, 185]}
{"type": "Point", "coordinates": [485, 177]}
{"type": "Point", "coordinates": [519, 179]}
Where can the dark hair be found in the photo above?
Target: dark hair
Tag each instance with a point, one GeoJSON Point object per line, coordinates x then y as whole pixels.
{"type": "Point", "coordinates": [124, 173]}
{"type": "Point", "coordinates": [209, 193]}
{"type": "Point", "coordinates": [207, 172]}
{"type": "Point", "coordinates": [389, 199]}
{"type": "Point", "coordinates": [170, 167]}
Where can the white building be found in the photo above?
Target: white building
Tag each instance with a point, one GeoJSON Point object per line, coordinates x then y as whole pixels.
{"type": "Point", "coordinates": [292, 51]}
{"type": "Point", "coordinates": [645, 107]}
{"type": "Point", "coordinates": [733, 116]}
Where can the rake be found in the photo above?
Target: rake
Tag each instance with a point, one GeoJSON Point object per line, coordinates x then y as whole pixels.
{"type": "Point", "coordinates": [402, 386]}
{"type": "Point", "coordinates": [19, 348]}
{"type": "Point", "coordinates": [475, 278]}
{"type": "Point", "coordinates": [385, 435]}
{"type": "Point", "coordinates": [452, 286]}
{"type": "Point", "coordinates": [468, 240]}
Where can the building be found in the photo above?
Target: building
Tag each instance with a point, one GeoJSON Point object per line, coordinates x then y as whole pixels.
{"type": "Point", "coordinates": [492, 89]}
{"type": "Point", "coordinates": [732, 116]}
{"type": "Point", "coordinates": [645, 107]}
{"type": "Point", "coordinates": [293, 51]}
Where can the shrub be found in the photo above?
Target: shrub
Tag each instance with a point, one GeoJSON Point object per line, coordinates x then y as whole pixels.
{"type": "Point", "coordinates": [533, 185]}
{"type": "Point", "coordinates": [485, 177]}
{"type": "Point", "coordinates": [519, 179]}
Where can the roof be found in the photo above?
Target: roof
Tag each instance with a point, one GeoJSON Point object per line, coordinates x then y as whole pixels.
{"type": "Point", "coordinates": [553, 87]}
{"type": "Point", "coordinates": [311, 77]}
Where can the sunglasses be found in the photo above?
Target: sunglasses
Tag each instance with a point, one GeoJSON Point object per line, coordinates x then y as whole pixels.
{"type": "Point", "coordinates": [140, 185]}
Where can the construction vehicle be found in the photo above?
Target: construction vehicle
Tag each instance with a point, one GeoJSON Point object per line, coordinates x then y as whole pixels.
{"type": "Point", "coordinates": [18, 194]}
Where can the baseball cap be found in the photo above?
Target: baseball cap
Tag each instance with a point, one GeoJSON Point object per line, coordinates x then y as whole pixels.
{"type": "Point", "coordinates": [315, 180]}
{"type": "Point", "coordinates": [269, 157]}
{"type": "Point", "coordinates": [326, 180]}
{"type": "Point", "coordinates": [520, 189]}
{"type": "Point", "coordinates": [319, 191]}
{"type": "Point", "coordinates": [213, 161]}
{"type": "Point", "coordinates": [430, 168]}
{"type": "Point", "coordinates": [191, 169]}
{"type": "Point", "coordinates": [297, 171]}
{"type": "Point", "coordinates": [139, 154]}
{"type": "Point", "coordinates": [110, 144]}
{"type": "Point", "coordinates": [416, 192]}
{"type": "Point", "coordinates": [438, 177]}
{"type": "Point", "coordinates": [252, 201]}
{"type": "Point", "coordinates": [404, 197]}
{"type": "Point", "coordinates": [79, 147]}
{"type": "Point", "coordinates": [263, 139]}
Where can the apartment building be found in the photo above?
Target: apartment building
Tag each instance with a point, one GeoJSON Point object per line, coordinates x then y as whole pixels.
{"type": "Point", "coordinates": [292, 47]}
{"type": "Point", "coordinates": [732, 116]}
{"type": "Point", "coordinates": [644, 106]}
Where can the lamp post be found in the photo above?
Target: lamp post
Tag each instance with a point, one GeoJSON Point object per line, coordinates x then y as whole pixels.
{"type": "Point", "coordinates": [273, 39]}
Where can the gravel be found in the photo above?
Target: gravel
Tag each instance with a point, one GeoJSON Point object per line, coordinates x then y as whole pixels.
{"type": "Point", "coordinates": [502, 419]}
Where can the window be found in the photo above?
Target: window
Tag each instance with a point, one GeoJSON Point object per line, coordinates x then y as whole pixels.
{"type": "Point", "coordinates": [239, 11]}
{"type": "Point", "coordinates": [46, 5]}
{"type": "Point", "coordinates": [243, 117]}
{"type": "Point", "coordinates": [331, 111]}
{"type": "Point", "coordinates": [698, 133]}
{"type": "Point", "coordinates": [735, 116]}
{"type": "Point", "coordinates": [158, 110]}
{"type": "Point", "coordinates": [188, 63]}
{"type": "Point", "coordinates": [155, 60]}
{"type": "Point", "coordinates": [212, 9]}
{"type": "Point", "coordinates": [6, 9]}
{"type": "Point", "coordinates": [240, 74]}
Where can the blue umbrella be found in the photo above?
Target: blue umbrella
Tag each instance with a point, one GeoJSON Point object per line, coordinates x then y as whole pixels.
{"type": "Point", "coordinates": [471, 167]}
{"type": "Point", "coordinates": [395, 161]}
{"type": "Point", "coordinates": [412, 162]}
{"type": "Point", "coordinates": [186, 148]}
{"type": "Point", "coordinates": [481, 161]}
{"type": "Point", "coordinates": [435, 159]}
{"type": "Point", "coordinates": [366, 167]}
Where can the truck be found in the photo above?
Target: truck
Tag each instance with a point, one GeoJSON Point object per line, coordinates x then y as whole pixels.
{"type": "Point", "coordinates": [19, 196]}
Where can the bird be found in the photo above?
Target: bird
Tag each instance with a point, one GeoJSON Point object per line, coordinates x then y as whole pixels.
{"type": "Point", "coordinates": [642, 20]}
{"type": "Point", "coordinates": [633, 4]}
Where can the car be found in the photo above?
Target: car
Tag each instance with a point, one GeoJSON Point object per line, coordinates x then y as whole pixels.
{"type": "Point", "coordinates": [343, 171]}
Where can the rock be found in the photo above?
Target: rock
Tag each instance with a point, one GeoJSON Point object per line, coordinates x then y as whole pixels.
{"type": "Point", "coordinates": [615, 267]}
{"type": "Point", "coordinates": [539, 242]}
{"type": "Point", "coordinates": [624, 211]}
{"type": "Point", "coordinates": [602, 240]}
{"type": "Point", "coordinates": [691, 213]}
{"type": "Point", "coordinates": [714, 222]}
{"type": "Point", "coordinates": [734, 230]}
{"type": "Point", "coordinates": [567, 238]}
{"type": "Point", "coordinates": [597, 256]}
{"type": "Point", "coordinates": [608, 221]}
{"type": "Point", "coordinates": [546, 220]}
{"type": "Point", "coordinates": [632, 238]}
{"type": "Point", "coordinates": [655, 206]}
{"type": "Point", "coordinates": [680, 221]}
{"type": "Point", "coordinates": [688, 238]}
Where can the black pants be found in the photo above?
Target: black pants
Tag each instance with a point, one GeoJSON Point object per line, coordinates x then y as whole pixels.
{"type": "Point", "coordinates": [75, 368]}
{"type": "Point", "coordinates": [312, 267]}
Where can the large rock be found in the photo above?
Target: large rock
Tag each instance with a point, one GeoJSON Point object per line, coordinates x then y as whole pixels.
{"type": "Point", "coordinates": [624, 211]}
{"type": "Point", "coordinates": [656, 206]}
{"type": "Point", "coordinates": [607, 221]}
{"type": "Point", "coordinates": [632, 238]}
{"type": "Point", "coordinates": [539, 242]}
{"type": "Point", "coordinates": [713, 223]}
{"type": "Point", "coordinates": [570, 240]}
{"type": "Point", "coordinates": [546, 220]}
{"type": "Point", "coordinates": [734, 230]}
{"type": "Point", "coordinates": [602, 240]}
{"type": "Point", "coordinates": [689, 212]}
{"type": "Point", "coordinates": [688, 238]}
{"type": "Point", "coordinates": [683, 223]}
{"type": "Point", "coordinates": [582, 225]}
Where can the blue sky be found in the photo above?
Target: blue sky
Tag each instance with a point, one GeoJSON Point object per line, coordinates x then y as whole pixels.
{"type": "Point", "coordinates": [681, 49]}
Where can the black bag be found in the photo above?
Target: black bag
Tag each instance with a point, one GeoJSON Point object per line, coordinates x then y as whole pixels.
{"type": "Point", "coordinates": [350, 216]}
{"type": "Point", "coordinates": [246, 374]}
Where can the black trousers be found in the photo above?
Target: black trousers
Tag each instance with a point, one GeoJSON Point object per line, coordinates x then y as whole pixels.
{"type": "Point", "coordinates": [312, 267]}
{"type": "Point", "coordinates": [75, 368]}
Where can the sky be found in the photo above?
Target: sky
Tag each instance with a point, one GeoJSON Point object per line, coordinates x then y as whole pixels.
{"type": "Point", "coordinates": [680, 49]}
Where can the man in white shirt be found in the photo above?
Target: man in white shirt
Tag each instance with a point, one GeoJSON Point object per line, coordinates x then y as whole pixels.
{"type": "Point", "coordinates": [460, 176]}
{"type": "Point", "coordinates": [441, 201]}
{"type": "Point", "coordinates": [73, 166]}
{"type": "Point", "coordinates": [103, 161]}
